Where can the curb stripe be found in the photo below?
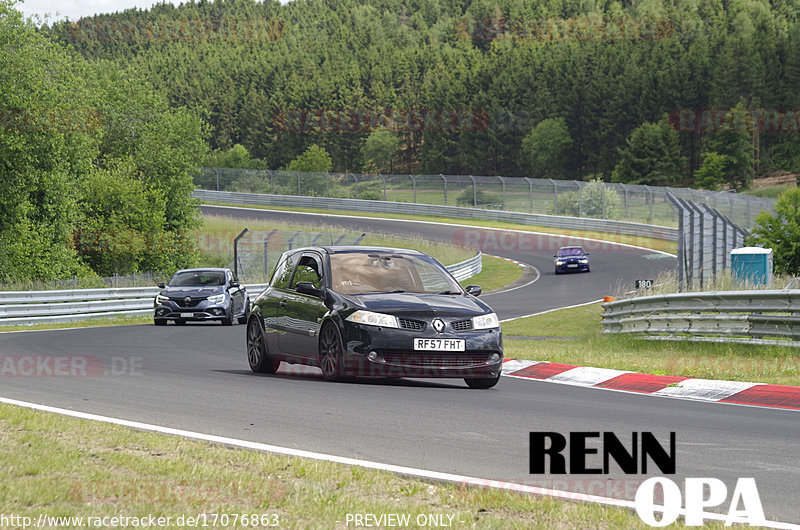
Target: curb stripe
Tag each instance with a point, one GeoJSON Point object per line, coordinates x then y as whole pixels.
{"type": "Point", "coordinates": [768, 396]}
{"type": "Point", "coordinates": [646, 383]}
{"type": "Point", "coordinates": [543, 370]}
{"type": "Point", "coordinates": [586, 375]}
{"type": "Point", "coordinates": [715, 391]}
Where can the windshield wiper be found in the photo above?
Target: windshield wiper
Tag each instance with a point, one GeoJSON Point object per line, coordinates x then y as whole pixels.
{"type": "Point", "coordinates": [449, 292]}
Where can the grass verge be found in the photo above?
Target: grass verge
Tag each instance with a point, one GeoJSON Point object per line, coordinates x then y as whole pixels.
{"type": "Point", "coordinates": [222, 229]}
{"type": "Point", "coordinates": [647, 242]}
{"type": "Point", "coordinates": [589, 347]}
{"type": "Point", "coordinates": [90, 323]}
{"type": "Point", "coordinates": [68, 467]}
{"type": "Point", "coordinates": [495, 274]}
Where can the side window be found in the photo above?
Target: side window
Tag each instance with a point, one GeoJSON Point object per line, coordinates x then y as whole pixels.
{"type": "Point", "coordinates": [308, 270]}
{"type": "Point", "coordinates": [283, 272]}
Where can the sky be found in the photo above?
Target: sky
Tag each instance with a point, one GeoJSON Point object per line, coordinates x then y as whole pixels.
{"type": "Point", "coordinates": [75, 9]}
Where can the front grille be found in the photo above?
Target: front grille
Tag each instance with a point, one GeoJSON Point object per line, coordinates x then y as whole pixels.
{"type": "Point", "coordinates": [182, 303]}
{"type": "Point", "coordinates": [460, 359]}
{"type": "Point", "coordinates": [462, 325]}
{"type": "Point", "coordinates": [407, 323]}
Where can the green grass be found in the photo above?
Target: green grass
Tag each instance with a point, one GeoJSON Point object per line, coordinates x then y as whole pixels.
{"type": "Point", "coordinates": [589, 347]}
{"type": "Point", "coordinates": [646, 242]}
{"type": "Point", "coordinates": [64, 466]}
{"type": "Point", "coordinates": [89, 323]}
{"type": "Point", "coordinates": [496, 273]}
{"type": "Point", "coordinates": [223, 229]}
{"type": "Point", "coordinates": [772, 192]}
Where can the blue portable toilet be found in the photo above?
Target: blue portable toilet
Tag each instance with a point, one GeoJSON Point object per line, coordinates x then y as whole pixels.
{"type": "Point", "coordinates": [752, 265]}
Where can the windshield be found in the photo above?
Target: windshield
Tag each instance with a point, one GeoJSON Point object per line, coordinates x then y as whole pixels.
{"type": "Point", "coordinates": [356, 273]}
{"type": "Point", "coordinates": [198, 279]}
{"type": "Point", "coordinates": [570, 252]}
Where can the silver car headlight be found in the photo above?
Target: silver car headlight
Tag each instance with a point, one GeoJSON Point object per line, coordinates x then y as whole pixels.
{"type": "Point", "coordinates": [373, 319]}
{"type": "Point", "coordinates": [485, 322]}
{"type": "Point", "coordinates": [217, 299]}
{"type": "Point", "coordinates": [584, 261]}
{"type": "Point", "coordinates": [160, 299]}
{"type": "Point", "coordinates": [559, 262]}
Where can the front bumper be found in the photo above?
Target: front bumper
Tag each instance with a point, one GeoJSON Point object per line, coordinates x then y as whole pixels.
{"type": "Point", "coordinates": [371, 351]}
{"type": "Point", "coordinates": [572, 267]}
{"type": "Point", "coordinates": [204, 310]}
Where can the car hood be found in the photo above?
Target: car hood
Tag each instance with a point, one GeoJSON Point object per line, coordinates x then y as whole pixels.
{"type": "Point", "coordinates": [419, 304]}
{"type": "Point", "coordinates": [193, 292]}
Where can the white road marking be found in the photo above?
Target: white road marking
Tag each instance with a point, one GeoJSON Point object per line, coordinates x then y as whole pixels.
{"type": "Point", "coordinates": [402, 470]}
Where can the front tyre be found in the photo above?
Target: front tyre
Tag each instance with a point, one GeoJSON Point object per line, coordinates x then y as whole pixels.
{"type": "Point", "coordinates": [228, 319]}
{"type": "Point", "coordinates": [481, 382]}
{"type": "Point", "coordinates": [330, 352]}
{"type": "Point", "coordinates": [160, 321]}
{"type": "Point", "coordinates": [257, 355]}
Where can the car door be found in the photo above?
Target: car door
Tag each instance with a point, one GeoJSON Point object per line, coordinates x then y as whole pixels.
{"type": "Point", "coordinates": [271, 299]}
{"type": "Point", "coordinates": [303, 313]}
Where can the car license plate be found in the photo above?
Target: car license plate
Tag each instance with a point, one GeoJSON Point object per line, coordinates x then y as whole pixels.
{"type": "Point", "coordinates": [187, 315]}
{"type": "Point", "coordinates": [439, 344]}
{"type": "Point", "coordinates": [572, 265]}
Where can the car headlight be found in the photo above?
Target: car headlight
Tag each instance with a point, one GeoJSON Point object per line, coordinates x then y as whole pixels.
{"type": "Point", "coordinates": [584, 261]}
{"type": "Point", "coordinates": [373, 319]}
{"type": "Point", "coordinates": [160, 299]}
{"type": "Point", "coordinates": [559, 262]}
{"type": "Point", "coordinates": [485, 322]}
{"type": "Point", "coordinates": [217, 299]}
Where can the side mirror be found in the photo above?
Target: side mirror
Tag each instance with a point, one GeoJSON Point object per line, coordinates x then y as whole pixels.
{"type": "Point", "coordinates": [555, 255]}
{"type": "Point", "coordinates": [586, 254]}
{"type": "Point", "coordinates": [308, 288]}
{"type": "Point", "coordinates": [234, 283]}
{"type": "Point", "coordinates": [474, 290]}
{"type": "Point", "coordinates": [161, 285]}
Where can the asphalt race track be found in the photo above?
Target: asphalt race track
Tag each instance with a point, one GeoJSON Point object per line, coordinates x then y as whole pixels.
{"type": "Point", "coordinates": [196, 378]}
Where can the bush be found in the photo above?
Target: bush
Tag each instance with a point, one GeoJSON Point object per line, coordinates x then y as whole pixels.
{"type": "Point", "coordinates": [569, 203]}
{"type": "Point", "coordinates": [781, 232]}
{"type": "Point", "coordinates": [479, 198]}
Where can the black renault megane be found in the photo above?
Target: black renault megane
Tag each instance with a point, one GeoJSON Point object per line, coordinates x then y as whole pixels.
{"type": "Point", "coordinates": [373, 312]}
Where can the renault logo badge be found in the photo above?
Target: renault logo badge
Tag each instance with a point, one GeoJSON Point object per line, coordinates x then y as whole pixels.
{"type": "Point", "coordinates": [187, 300]}
{"type": "Point", "coordinates": [438, 325]}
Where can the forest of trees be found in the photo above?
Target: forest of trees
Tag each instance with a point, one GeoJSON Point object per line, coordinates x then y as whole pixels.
{"type": "Point", "coordinates": [105, 119]}
{"type": "Point", "coordinates": [95, 165]}
{"type": "Point", "coordinates": [613, 76]}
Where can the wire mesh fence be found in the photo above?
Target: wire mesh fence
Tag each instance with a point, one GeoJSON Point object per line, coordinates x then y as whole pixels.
{"type": "Point", "coordinates": [627, 202]}
{"type": "Point", "coordinates": [258, 250]}
{"type": "Point", "coordinates": [139, 279]}
{"type": "Point", "coordinates": [705, 241]}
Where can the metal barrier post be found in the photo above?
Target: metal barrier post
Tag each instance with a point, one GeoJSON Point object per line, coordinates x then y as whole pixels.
{"type": "Point", "coordinates": [236, 252]}
{"type": "Point", "coordinates": [530, 191]}
{"type": "Point", "coordinates": [474, 191]}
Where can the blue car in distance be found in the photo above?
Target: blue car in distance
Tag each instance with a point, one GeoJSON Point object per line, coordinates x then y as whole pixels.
{"type": "Point", "coordinates": [572, 259]}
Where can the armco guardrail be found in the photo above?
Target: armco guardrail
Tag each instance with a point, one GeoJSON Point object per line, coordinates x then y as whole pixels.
{"type": "Point", "coordinates": [769, 316]}
{"type": "Point", "coordinates": [467, 268]}
{"type": "Point", "coordinates": [361, 205]}
{"type": "Point", "coordinates": [37, 307]}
